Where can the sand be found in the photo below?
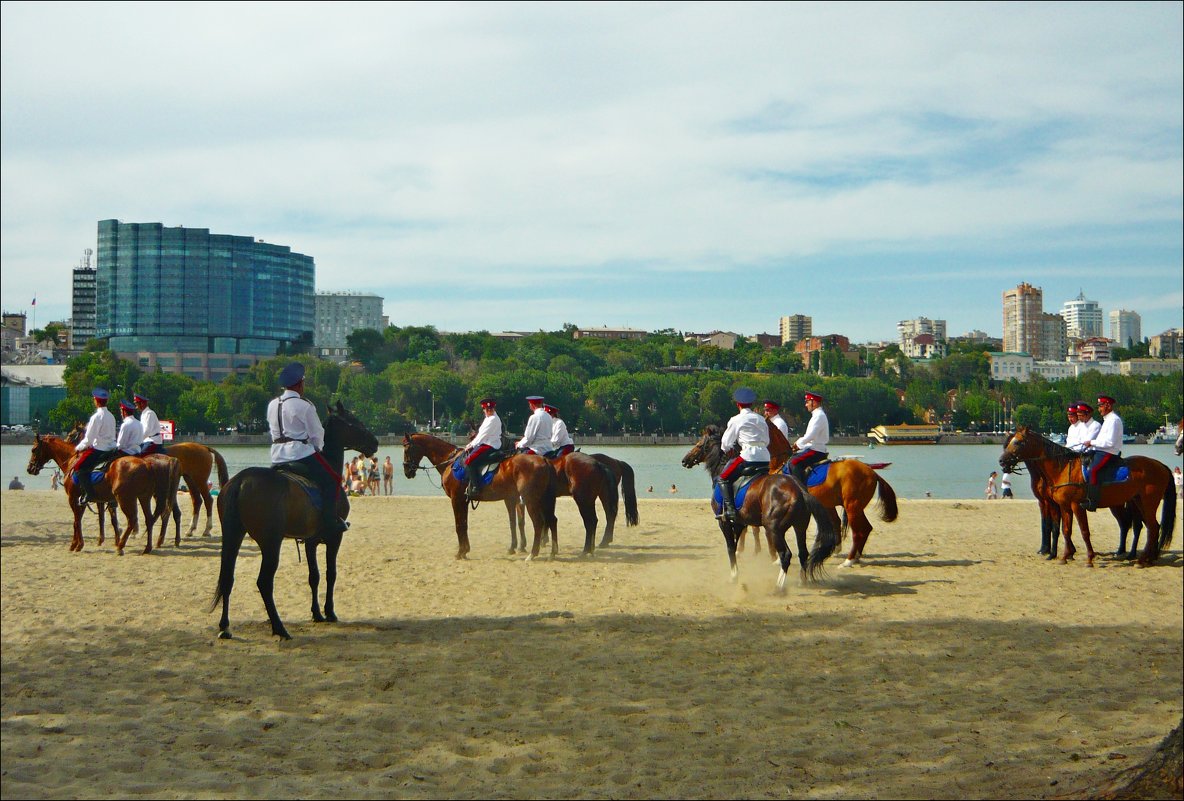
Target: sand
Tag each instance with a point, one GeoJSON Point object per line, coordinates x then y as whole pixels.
{"type": "Point", "coordinates": [953, 663]}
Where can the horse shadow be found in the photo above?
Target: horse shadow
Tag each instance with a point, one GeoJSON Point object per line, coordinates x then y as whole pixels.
{"type": "Point", "coordinates": [919, 560]}
{"type": "Point", "coordinates": [871, 586]}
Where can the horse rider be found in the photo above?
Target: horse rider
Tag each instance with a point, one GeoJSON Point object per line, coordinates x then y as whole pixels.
{"type": "Point", "coordinates": [131, 432]}
{"type": "Point", "coordinates": [1048, 524]}
{"type": "Point", "coordinates": [1087, 427]}
{"type": "Point", "coordinates": [751, 432]}
{"type": "Point", "coordinates": [1073, 432]}
{"type": "Point", "coordinates": [536, 439]}
{"type": "Point", "coordinates": [1106, 447]}
{"type": "Point", "coordinates": [483, 446]}
{"type": "Point", "coordinates": [561, 441]}
{"type": "Point", "coordinates": [97, 443]}
{"type": "Point", "coordinates": [773, 415]}
{"type": "Point", "coordinates": [811, 447]}
{"type": "Point", "coordinates": [153, 441]}
{"type": "Point", "coordinates": [297, 437]}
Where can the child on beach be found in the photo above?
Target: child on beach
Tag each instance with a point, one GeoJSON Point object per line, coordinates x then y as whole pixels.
{"type": "Point", "coordinates": [991, 486]}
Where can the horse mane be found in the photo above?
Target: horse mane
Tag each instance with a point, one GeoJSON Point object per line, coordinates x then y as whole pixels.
{"type": "Point", "coordinates": [713, 456]}
{"type": "Point", "coordinates": [1054, 451]}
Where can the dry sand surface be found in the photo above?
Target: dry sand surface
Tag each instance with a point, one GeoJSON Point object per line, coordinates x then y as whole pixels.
{"type": "Point", "coordinates": [953, 663]}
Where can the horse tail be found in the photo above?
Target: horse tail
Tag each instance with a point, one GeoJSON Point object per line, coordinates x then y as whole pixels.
{"type": "Point", "coordinates": [827, 539]}
{"type": "Point", "coordinates": [1167, 520]}
{"type": "Point", "coordinates": [549, 495]}
{"type": "Point", "coordinates": [220, 463]}
{"type": "Point", "coordinates": [611, 499]}
{"type": "Point", "coordinates": [232, 538]}
{"type": "Point", "coordinates": [629, 492]}
{"type": "Point", "coordinates": [166, 494]}
{"type": "Point", "coordinates": [888, 509]}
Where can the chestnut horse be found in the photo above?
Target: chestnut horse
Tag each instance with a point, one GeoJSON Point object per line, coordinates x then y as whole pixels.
{"type": "Point", "coordinates": [585, 478]}
{"type": "Point", "coordinates": [129, 480]}
{"type": "Point", "coordinates": [774, 501]}
{"type": "Point", "coordinates": [850, 484]}
{"type": "Point", "coordinates": [1150, 483]}
{"type": "Point", "coordinates": [530, 478]}
{"type": "Point", "coordinates": [271, 506]}
{"type": "Point", "coordinates": [197, 462]}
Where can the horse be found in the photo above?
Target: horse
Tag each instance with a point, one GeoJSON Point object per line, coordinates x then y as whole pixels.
{"type": "Point", "coordinates": [850, 484]}
{"type": "Point", "coordinates": [775, 501]}
{"type": "Point", "coordinates": [1060, 468]}
{"type": "Point", "coordinates": [529, 478]}
{"type": "Point", "coordinates": [197, 461]}
{"type": "Point", "coordinates": [576, 472]}
{"type": "Point", "coordinates": [129, 480]}
{"type": "Point", "coordinates": [271, 506]}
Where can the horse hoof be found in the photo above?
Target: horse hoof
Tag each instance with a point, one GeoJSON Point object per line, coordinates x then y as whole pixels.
{"type": "Point", "coordinates": [332, 618]}
{"type": "Point", "coordinates": [847, 563]}
{"type": "Point", "coordinates": [225, 635]}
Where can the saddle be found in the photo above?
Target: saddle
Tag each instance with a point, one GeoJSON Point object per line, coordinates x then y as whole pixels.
{"type": "Point", "coordinates": [744, 478]}
{"type": "Point", "coordinates": [98, 470]}
{"type": "Point", "coordinates": [488, 470]}
{"type": "Point", "coordinates": [815, 473]}
{"type": "Point", "coordinates": [1113, 472]}
{"type": "Point", "coordinates": [302, 477]}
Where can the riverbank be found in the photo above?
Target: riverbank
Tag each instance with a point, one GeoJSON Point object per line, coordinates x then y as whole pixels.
{"type": "Point", "coordinates": [954, 663]}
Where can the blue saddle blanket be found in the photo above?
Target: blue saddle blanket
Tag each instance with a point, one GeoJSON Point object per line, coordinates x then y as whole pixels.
{"type": "Point", "coordinates": [461, 473]}
{"type": "Point", "coordinates": [96, 476]}
{"type": "Point", "coordinates": [1109, 476]}
{"type": "Point", "coordinates": [742, 485]}
{"type": "Point", "coordinates": [815, 476]}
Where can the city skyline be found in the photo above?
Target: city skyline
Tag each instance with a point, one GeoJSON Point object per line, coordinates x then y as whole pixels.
{"type": "Point", "coordinates": [509, 167]}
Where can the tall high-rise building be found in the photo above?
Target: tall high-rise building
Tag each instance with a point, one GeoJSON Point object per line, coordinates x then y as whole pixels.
{"type": "Point", "coordinates": [1126, 327]}
{"type": "Point", "coordinates": [185, 290]}
{"type": "Point", "coordinates": [339, 314]}
{"type": "Point", "coordinates": [82, 319]}
{"type": "Point", "coordinates": [795, 328]}
{"type": "Point", "coordinates": [1022, 308]}
{"type": "Point", "coordinates": [1053, 341]}
{"type": "Point", "coordinates": [1083, 318]}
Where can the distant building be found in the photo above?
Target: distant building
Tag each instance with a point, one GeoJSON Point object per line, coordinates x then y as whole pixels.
{"type": "Point", "coordinates": [1094, 349]}
{"type": "Point", "coordinates": [795, 328]}
{"type": "Point", "coordinates": [1022, 308]}
{"type": "Point", "coordinates": [725, 340]}
{"type": "Point", "coordinates": [15, 323]}
{"type": "Point", "coordinates": [339, 314]}
{"type": "Point", "coordinates": [1010, 365]}
{"type": "Point", "coordinates": [1053, 341]}
{"type": "Point", "coordinates": [1083, 318]}
{"type": "Point", "coordinates": [1146, 367]}
{"type": "Point", "coordinates": [1022, 366]}
{"type": "Point", "coordinates": [1168, 345]}
{"type": "Point", "coordinates": [767, 341]}
{"type": "Point", "coordinates": [1126, 328]}
{"type": "Point", "coordinates": [812, 344]}
{"type": "Point", "coordinates": [82, 319]}
{"type": "Point", "coordinates": [922, 338]}
{"type": "Point", "coordinates": [29, 392]}
{"type": "Point", "coordinates": [610, 333]}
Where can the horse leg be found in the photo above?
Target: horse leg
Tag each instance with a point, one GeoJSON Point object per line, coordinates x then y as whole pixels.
{"type": "Point", "coordinates": [586, 503]}
{"type": "Point", "coordinates": [512, 513]}
{"type": "Point", "coordinates": [195, 502]}
{"type": "Point", "coordinates": [314, 579]}
{"type": "Point", "coordinates": [331, 549]}
{"type": "Point", "coordinates": [1122, 517]}
{"type": "Point", "coordinates": [539, 520]}
{"type": "Point", "coordinates": [1136, 531]}
{"type": "Point", "coordinates": [731, 531]}
{"type": "Point", "coordinates": [1067, 532]}
{"type": "Point", "coordinates": [208, 501]}
{"type": "Point", "coordinates": [110, 507]}
{"type": "Point", "coordinates": [133, 524]}
{"type": "Point", "coordinates": [76, 540]}
{"type": "Point", "coordinates": [610, 521]}
{"type": "Point", "coordinates": [266, 584]}
{"type": "Point", "coordinates": [460, 513]}
{"type": "Point", "coordinates": [1083, 522]}
{"type": "Point", "coordinates": [775, 530]}
{"type": "Point", "coordinates": [743, 536]}
{"type": "Point", "coordinates": [1150, 554]}
{"type": "Point", "coordinates": [149, 524]}
{"type": "Point", "coordinates": [861, 529]}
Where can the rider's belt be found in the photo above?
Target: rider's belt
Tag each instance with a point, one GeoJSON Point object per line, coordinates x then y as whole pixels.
{"type": "Point", "coordinates": [282, 440]}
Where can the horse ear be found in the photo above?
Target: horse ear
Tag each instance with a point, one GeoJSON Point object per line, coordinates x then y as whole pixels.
{"type": "Point", "coordinates": [340, 408]}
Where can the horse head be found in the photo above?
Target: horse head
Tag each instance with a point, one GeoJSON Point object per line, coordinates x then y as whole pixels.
{"type": "Point", "coordinates": [1023, 444]}
{"type": "Point", "coordinates": [705, 450]}
{"type": "Point", "coordinates": [412, 454]}
{"type": "Point", "coordinates": [352, 432]}
{"type": "Point", "coordinates": [39, 456]}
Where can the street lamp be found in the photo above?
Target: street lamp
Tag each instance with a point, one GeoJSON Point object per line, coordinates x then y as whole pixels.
{"type": "Point", "coordinates": [432, 423]}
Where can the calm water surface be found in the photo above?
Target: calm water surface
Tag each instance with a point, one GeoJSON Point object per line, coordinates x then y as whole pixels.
{"type": "Point", "coordinates": [942, 471]}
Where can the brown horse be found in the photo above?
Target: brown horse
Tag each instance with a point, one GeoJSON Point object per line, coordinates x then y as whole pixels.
{"type": "Point", "coordinates": [849, 484]}
{"type": "Point", "coordinates": [774, 501]}
{"type": "Point", "coordinates": [1150, 483]}
{"type": "Point", "coordinates": [271, 506]}
{"type": "Point", "coordinates": [129, 480]}
{"type": "Point", "coordinates": [585, 478]}
{"type": "Point", "coordinates": [530, 478]}
{"type": "Point", "coordinates": [197, 462]}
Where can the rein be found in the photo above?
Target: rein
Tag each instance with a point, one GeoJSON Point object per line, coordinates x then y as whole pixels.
{"type": "Point", "coordinates": [440, 465]}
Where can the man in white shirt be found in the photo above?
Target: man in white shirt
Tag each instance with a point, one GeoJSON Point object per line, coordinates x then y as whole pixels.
{"type": "Point", "coordinates": [131, 433]}
{"type": "Point", "coordinates": [773, 415]}
{"type": "Point", "coordinates": [1087, 427]}
{"type": "Point", "coordinates": [750, 432]}
{"type": "Point", "coordinates": [297, 437]}
{"type": "Point", "coordinates": [1073, 432]}
{"type": "Point", "coordinates": [483, 446]}
{"type": "Point", "coordinates": [561, 441]}
{"type": "Point", "coordinates": [1106, 446]}
{"type": "Point", "coordinates": [811, 447]}
{"type": "Point", "coordinates": [97, 443]}
{"type": "Point", "coordinates": [153, 441]}
{"type": "Point", "coordinates": [536, 439]}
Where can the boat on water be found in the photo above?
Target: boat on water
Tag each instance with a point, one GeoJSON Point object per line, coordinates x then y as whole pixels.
{"type": "Point", "coordinates": [1164, 435]}
{"type": "Point", "coordinates": [905, 435]}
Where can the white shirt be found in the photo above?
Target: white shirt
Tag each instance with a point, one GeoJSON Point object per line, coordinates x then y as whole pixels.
{"type": "Point", "coordinates": [559, 435]}
{"type": "Point", "coordinates": [1005, 481]}
{"type": "Point", "coordinates": [751, 431]}
{"type": "Point", "coordinates": [537, 436]}
{"type": "Point", "coordinates": [151, 424]}
{"type": "Point", "coordinates": [490, 433]}
{"type": "Point", "coordinates": [1073, 437]}
{"type": "Point", "coordinates": [817, 433]}
{"type": "Point", "coordinates": [1086, 431]}
{"type": "Point", "coordinates": [1109, 439]}
{"type": "Point", "coordinates": [300, 423]}
{"type": "Point", "coordinates": [782, 426]}
{"type": "Point", "coordinates": [131, 434]}
{"type": "Point", "coordinates": [100, 431]}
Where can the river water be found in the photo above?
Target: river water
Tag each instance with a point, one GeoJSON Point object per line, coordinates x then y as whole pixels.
{"type": "Point", "coordinates": [917, 471]}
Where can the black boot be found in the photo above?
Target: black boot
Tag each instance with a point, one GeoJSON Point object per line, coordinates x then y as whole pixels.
{"type": "Point", "coordinates": [727, 494]}
{"type": "Point", "coordinates": [1092, 494]}
{"type": "Point", "coordinates": [472, 489]}
{"type": "Point", "coordinates": [1045, 535]}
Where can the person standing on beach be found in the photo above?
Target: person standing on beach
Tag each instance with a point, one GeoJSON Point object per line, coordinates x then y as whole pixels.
{"type": "Point", "coordinates": [153, 440]}
{"type": "Point", "coordinates": [1005, 484]}
{"type": "Point", "coordinates": [750, 432]}
{"type": "Point", "coordinates": [811, 447]}
{"type": "Point", "coordinates": [991, 486]}
{"type": "Point", "coordinates": [483, 446]}
{"type": "Point", "coordinates": [388, 477]}
{"type": "Point", "coordinates": [97, 443]}
{"type": "Point", "coordinates": [1106, 447]}
{"type": "Point", "coordinates": [561, 441]}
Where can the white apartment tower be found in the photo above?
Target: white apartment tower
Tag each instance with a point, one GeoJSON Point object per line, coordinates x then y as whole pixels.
{"type": "Point", "coordinates": [795, 328]}
{"type": "Point", "coordinates": [1083, 318]}
{"type": "Point", "coordinates": [339, 314]}
{"type": "Point", "coordinates": [1126, 327]}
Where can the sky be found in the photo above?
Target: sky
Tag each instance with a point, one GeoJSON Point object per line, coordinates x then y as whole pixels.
{"type": "Point", "coordinates": [692, 166]}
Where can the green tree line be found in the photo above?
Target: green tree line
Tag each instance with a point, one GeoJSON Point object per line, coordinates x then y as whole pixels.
{"type": "Point", "coordinates": [660, 384]}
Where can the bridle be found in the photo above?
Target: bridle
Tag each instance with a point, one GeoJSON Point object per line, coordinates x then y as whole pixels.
{"type": "Point", "coordinates": [414, 467]}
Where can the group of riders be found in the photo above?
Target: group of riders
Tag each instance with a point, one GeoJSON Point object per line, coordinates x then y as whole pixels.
{"type": "Point", "coordinates": [1099, 442]}
{"type": "Point", "coordinates": [101, 443]}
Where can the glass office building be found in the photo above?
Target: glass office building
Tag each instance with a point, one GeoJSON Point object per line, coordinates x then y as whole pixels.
{"type": "Point", "coordinates": [185, 290]}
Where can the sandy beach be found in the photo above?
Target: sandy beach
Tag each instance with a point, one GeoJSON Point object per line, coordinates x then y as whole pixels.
{"type": "Point", "coordinates": [953, 663]}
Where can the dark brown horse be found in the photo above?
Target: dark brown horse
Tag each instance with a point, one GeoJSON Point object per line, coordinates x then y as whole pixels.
{"type": "Point", "coordinates": [271, 506]}
{"type": "Point", "coordinates": [774, 501]}
{"type": "Point", "coordinates": [1150, 483]}
{"type": "Point", "coordinates": [849, 484]}
{"type": "Point", "coordinates": [525, 477]}
{"type": "Point", "coordinates": [151, 482]}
